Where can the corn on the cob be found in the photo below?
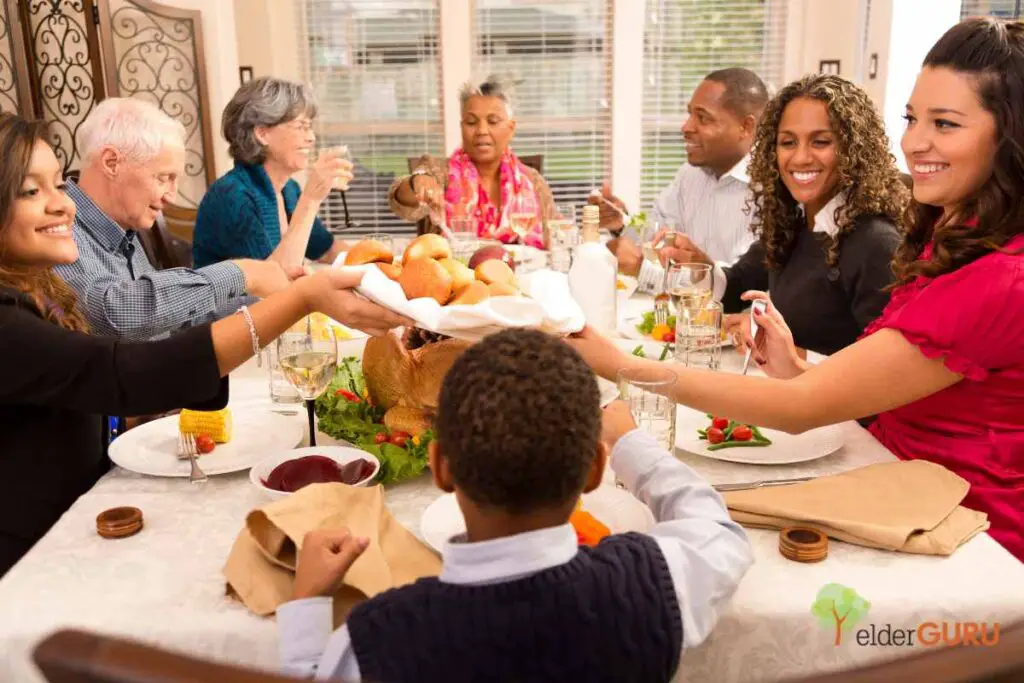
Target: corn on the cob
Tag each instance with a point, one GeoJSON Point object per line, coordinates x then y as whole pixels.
{"type": "Point", "coordinates": [214, 423]}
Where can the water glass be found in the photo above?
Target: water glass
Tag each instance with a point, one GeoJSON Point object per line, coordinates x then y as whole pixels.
{"type": "Point", "coordinates": [699, 337]}
{"type": "Point", "coordinates": [643, 389]}
{"type": "Point", "coordinates": [563, 235]}
{"type": "Point", "coordinates": [283, 396]}
{"type": "Point", "coordinates": [384, 238]}
{"type": "Point", "coordinates": [341, 152]}
{"type": "Point", "coordinates": [463, 238]}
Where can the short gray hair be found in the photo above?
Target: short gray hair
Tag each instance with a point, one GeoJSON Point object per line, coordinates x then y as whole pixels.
{"type": "Point", "coordinates": [136, 128]}
{"type": "Point", "coordinates": [502, 87]}
{"type": "Point", "coordinates": [264, 102]}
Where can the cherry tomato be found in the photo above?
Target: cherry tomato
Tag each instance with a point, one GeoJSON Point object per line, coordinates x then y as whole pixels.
{"type": "Point", "coordinates": [742, 434]}
{"type": "Point", "coordinates": [670, 337]}
{"type": "Point", "coordinates": [380, 437]}
{"type": "Point", "coordinates": [399, 439]}
{"type": "Point", "coordinates": [715, 435]}
{"type": "Point", "coordinates": [205, 443]}
{"type": "Point", "coordinates": [348, 395]}
{"type": "Point", "coordinates": [720, 422]}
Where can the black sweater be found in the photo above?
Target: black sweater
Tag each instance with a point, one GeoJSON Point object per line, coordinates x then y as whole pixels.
{"type": "Point", "coordinates": [56, 386]}
{"type": "Point", "coordinates": [826, 309]}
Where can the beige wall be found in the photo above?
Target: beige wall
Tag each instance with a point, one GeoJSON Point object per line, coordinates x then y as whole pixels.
{"type": "Point", "coordinates": [879, 23]}
{"type": "Point", "coordinates": [822, 29]}
{"type": "Point", "coordinates": [267, 33]}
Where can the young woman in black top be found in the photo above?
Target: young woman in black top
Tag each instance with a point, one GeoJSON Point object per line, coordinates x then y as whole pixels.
{"type": "Point", "coordinates": [57, 380]}
{"type": "Point", "coordinates": [826, 199]}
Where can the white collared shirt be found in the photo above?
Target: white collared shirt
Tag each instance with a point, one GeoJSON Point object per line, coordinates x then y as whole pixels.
{"type": "Point", "coordinates": [710, 210]}
{"type": "Point", "coordinates": [824, 221]}
{"type": "Point", "coordinates": [707, 555]}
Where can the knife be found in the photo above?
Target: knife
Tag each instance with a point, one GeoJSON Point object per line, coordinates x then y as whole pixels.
{"type": "Point", "coordinates": [759, 484]}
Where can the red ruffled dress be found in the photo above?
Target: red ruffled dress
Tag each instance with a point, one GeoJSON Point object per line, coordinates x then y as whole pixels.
{"type": "Point", "coordinates": [973, 318]}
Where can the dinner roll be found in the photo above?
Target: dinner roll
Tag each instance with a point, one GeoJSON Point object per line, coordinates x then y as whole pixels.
{"type": "Point", "coordinates": [502, 289]}
{"type": "Point", "coordinates": [368, 251]}
{"type": "Point", "coordinates": [426, 278]}
{"type": "Point", "coordinates": [392, 270]}
{"type": "Point", "coordinates": [428, 246]}
{"type": "Point", "coordinates": [462, 276]}
{"type": "Point", "coordinates": [473, 294]}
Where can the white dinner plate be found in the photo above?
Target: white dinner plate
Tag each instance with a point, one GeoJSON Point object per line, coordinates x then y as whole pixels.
{"type": "Point", "coordinates": [614, 507]}
{"type": "Point", "coordinates": [525, 255]}
{"type": "Point", "coordinates": [258, 433]}
{"type": "Point", "coordinates": [626, 286]}
{"type": "Point", "coordinates": [627, 328]}
{"type": "Point", "coordinates": [784, 450]}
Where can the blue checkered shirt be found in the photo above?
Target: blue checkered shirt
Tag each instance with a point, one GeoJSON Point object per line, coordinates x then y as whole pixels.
{"type": "Point", "coordinates": [125, 296]}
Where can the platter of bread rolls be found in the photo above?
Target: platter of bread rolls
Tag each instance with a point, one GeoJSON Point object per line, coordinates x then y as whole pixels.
{"type": "Point", "coordinates": [463, 300]}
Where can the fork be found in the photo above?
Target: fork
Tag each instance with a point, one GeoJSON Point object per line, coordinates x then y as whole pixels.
{"type": "Point", "coordinates": [187, 448]}
{"type": "Point", "coordinates": [760, 484]}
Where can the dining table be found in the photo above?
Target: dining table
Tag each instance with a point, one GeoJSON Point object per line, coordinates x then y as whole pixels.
{"type": "Point", "coordinates": [164, 586]}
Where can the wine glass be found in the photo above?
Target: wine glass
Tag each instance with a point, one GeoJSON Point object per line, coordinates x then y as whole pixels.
{"type": "Point", "coordinates": [688, 286]}
{"type": "Point", "coordinates": [342, 152]}
{"type": "Point", "coordinates": [521, 217]}
{"type": "Point", "coordinates": [308, 361]}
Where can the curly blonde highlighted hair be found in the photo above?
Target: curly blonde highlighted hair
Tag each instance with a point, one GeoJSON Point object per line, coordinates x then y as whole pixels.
{"type": "Point", "coordinates": [867, 171]}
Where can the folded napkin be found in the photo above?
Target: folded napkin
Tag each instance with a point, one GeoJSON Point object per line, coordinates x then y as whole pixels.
{"type": "Point", "coordinates": [548, 305]}
{"type": "Point", "coordinates": [911, 506]}
{"type": "Point", "coordinates": [260, 569]}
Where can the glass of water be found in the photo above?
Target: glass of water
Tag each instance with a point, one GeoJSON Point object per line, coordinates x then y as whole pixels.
{"type": "Point", "coordinates": [283, 396]}
{"type": "Point", "coordinates": [384, 238]}
{"type": "Point", "coordinates": [563, 235]}
{"type": "Point", "coordinates": [463, 238]}
{"type": "Point", "coordinates": [309, 362]}
{"type": "Point", "coordinates": [643, 389]}
{"type": "Point", "coordinates": [699, 337]}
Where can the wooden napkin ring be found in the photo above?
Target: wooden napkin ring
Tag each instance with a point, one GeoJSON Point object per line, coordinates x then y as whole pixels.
{"type": "Point", "coordinates": [803, 544]}
{"type": "Point", "coordinates": [119, 522]}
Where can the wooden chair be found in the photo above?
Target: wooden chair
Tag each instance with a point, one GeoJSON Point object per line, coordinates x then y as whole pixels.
{"type": "Point", "coordinates": [73, 656]}
{"type": "Point", "coordinates": [534, 161]}
{"type": "Point", "coordinates": [170, 239]}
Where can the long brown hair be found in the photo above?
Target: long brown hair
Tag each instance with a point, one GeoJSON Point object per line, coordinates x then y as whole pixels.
{"type": "Point", "coordinates": [991, 52]}
{"type": "Point", "coordinates": [51, 295]}
{"type": "Point", "coordinates": [867, 171]}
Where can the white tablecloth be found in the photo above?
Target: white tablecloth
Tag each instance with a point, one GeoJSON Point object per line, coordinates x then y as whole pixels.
{"type": "Point", "coordinates": [164, 585]}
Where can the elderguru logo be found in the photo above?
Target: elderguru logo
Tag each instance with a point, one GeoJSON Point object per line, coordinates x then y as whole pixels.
{"type": "Point", "coordinates": [839, 609]}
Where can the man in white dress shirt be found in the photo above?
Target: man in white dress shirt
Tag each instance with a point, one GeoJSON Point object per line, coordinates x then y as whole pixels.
{"type": "Point", "coordinates": [707, 199]}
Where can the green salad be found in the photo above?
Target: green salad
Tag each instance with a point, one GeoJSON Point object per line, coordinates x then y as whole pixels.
{"type": "Point", "coordinates": [640, 353]}
{"type": "Point", "coordinates": [647, 323]}
{"type": "Point", "coordinates": [345, 412]}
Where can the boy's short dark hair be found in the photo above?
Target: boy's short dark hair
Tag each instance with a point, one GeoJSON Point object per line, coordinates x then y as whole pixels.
{"type": "Point", "coordinates": [519, 421]}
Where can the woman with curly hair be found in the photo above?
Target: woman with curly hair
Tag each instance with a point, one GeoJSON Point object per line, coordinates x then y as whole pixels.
{"type": "Point", "coordinates": [943, 367]}
{"type": "Point", "coordinates": [826, 199]}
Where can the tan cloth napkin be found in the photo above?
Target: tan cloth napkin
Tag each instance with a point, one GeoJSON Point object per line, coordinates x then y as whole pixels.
{"type": "Point", "coordinates": [260, 568]}
{"type": "Point", "coordinates": [911, 506]}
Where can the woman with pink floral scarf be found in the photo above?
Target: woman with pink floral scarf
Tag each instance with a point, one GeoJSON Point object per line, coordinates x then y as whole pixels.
{"type": "Point", "coordinates": [483, 180]}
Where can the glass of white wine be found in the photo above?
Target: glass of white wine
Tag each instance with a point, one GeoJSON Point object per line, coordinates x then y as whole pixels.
{"type": "Point", "coordinates": [689, 287]}
{"type": "Point", "coordinates": [308, 361]}
{"type": "Point", "coordinates": [521, 217]}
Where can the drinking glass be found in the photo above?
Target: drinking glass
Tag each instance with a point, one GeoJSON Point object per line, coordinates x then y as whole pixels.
{"type": "Point", "coordinates": [688, 286]}
{"type": "Point", "coordinates": [283, 396]}
{"type": "Point", "coordinates": [463, 238]}
{"type": "Point", "coordinates": [382, 237]}
{"type": "Point", "coordinates": [521, 216]}
{"type": "Point", "coordinates": [563, 235]}
{"type": "Point", "coordinates": [643, 389]}
{"type": "Point", "coordinates": [647, 235]}
{"type": "Point", "coordinates": [341, 152]}
{"type": "Point", "coordinates": [309, 362]}
{"type": "Point", "coordinates": [699, 337]}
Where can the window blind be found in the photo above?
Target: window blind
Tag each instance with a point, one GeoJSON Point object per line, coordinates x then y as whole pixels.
{"type": "Point", "coordinates": [559, 51]}
{"type": "Point", "coordinates": [376, 70]}
{"type": "Point", "coordinates": [1007, 9]}
{"type": "Point", "coordinates": [684, 40]}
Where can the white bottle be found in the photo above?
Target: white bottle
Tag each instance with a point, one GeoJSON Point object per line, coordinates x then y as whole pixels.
{"type": "Point", "coordinates": [592, 275]}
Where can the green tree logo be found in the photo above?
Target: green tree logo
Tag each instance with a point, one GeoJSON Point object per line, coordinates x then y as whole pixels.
{"type": "Point", "coordinates": [839, 607]}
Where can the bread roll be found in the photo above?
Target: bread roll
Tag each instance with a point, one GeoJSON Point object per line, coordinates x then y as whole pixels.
{"type": "Point", "coordinates": [502, 289]}
{"type": "Point", "coordinates": [428, 246]}
{"type": "Point", "coordinates": [473, 294]}
{"type": "Point", "coordinates": [392, 270]}
{"type": "Point", "coordinates": [490, 272]}
{"type": "Point", "coordinates": [462, 276]}
{"type": "Point", "coordinates": [368, 251]}
{"type": "Point", "coordinates": [426, 278]}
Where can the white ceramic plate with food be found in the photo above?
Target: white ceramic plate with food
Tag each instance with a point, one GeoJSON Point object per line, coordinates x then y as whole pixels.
{"type": "Point", "coordinates": [152, 448]}
{"type": "Point", "coordinates": [614, 507]}
{"type": "Point", "coordinates": [626, 286]}
{"type": "Point", "coordinates": [785, 449]}
{"type": "Point", "coordinates": [628, 329]}
{"type": "Point", "coordinates": [525, 256]}
{"type": "Point", "coordinates": [339, 454]}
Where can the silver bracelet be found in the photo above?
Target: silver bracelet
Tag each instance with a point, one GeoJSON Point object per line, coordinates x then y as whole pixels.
{"type": "Point", "coordinates": [244, 310]}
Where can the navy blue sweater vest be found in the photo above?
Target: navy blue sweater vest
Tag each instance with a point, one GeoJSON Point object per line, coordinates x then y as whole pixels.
{"type": "Point", "coordinates": [609, 614]}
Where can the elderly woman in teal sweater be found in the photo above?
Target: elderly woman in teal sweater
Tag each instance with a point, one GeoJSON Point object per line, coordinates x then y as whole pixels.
{"type": "Point", "coordinates": [257, 210]}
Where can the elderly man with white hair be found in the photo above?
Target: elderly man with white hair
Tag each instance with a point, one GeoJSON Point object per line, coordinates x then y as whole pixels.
{"type": "Point", "coordinates": [132, 156]}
